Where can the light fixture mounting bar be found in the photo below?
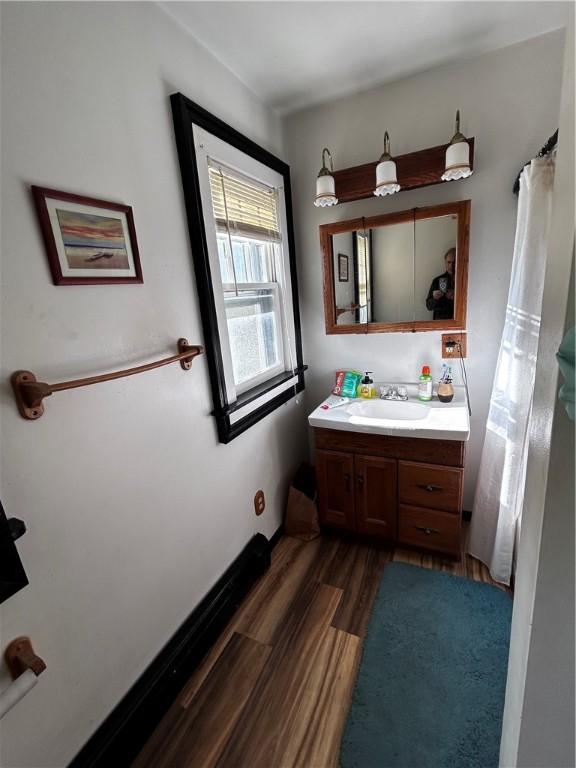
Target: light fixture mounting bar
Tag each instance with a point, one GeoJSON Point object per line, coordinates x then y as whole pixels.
{"type": "Point", "coordinates": [414, 170]}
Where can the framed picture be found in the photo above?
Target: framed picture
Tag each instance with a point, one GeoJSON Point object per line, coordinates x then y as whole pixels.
{"type": "Point", "coordinates": [342, 268]}
{"type": "Point", "coordinates": [88, 241]}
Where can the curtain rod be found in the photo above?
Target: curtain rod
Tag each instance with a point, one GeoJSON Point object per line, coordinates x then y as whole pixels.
{"type": "Point", "coordinates": [546, 149]}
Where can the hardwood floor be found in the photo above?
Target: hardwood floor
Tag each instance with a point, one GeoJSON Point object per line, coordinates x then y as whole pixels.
{"type": "Point", "coordinates": [275, 689]}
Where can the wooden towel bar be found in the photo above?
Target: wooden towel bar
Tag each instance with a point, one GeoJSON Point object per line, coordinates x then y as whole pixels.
{"type": "Point", "coordinates": [30, 393]}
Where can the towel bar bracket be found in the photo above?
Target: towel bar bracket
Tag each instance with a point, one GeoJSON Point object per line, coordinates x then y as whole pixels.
{"type": "Point", "coordinates": [29, 392]}
{"type": "Point", "coordinates": [183, 346]}
{"type": "Point", "coordinates": [20, 656]}
{"type": "Point", "coordinates": [26, 408]}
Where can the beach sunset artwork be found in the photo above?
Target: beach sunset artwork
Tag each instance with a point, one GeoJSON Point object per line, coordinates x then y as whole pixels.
{"type": "Point", "coordinates": [92, 241]}
{"type": "Point", "coordinates": [88, 241]}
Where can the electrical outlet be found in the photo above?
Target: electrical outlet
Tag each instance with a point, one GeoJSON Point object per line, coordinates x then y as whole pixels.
{"type": "Point", "coordinates": [259, 502]}
{"type": "Point", "coordinates": [456, 339]}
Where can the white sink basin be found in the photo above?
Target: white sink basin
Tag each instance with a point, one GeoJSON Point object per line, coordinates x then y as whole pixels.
{"type": "Point", "coordinates": [402, 418]}
{"type": "Point", "coordinates": [393, 410]}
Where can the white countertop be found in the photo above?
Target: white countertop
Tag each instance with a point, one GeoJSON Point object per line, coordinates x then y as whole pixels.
{"type": "Point", "coordinates": [443, 421]}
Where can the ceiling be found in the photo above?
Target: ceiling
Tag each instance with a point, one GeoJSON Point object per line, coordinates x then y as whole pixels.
{"type": "Point", "coordinates": [297, 54]}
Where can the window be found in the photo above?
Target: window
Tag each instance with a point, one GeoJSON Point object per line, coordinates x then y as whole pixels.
{"type": "Point", "coordinates": [249, 253]}
{"type": "Point", "coordinates": [362, 278]}
{"type": "Point", "coordinates": [239, 215]}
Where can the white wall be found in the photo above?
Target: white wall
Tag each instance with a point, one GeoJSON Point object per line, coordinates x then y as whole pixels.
{"type": "Point", "coordinates": [509, 101]}
{"type": "Point", "coordinates": [133, 509]}
{"type": "Point", "coordinates": [546, 733]}
{"type": "Point", "coordinates": [538, 724]}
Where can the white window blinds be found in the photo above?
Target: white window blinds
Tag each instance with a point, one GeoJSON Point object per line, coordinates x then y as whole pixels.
{"type": "Point", "coordinates": [243, 206]}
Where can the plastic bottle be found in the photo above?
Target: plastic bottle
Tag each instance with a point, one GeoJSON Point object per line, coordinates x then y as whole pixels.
{"type": "Point", "coordinates": [366, 388]}
{"type": "Point", "coordinates": [445, 388]}
{"type": "Point", "coordinates": [425, 384]}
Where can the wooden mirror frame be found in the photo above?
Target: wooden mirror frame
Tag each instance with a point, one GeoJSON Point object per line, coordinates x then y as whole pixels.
{"type": "Point", "coordinates": [461, 208]}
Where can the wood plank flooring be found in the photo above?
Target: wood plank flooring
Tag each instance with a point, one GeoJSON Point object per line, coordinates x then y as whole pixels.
{"type": "Point", "coordinates": [274, 691]}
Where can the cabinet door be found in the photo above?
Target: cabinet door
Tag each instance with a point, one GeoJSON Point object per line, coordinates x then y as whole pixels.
{"type": "Point", "coordinates": [335, 476]}
{"type": "Point", "coordinates": [376, 496]}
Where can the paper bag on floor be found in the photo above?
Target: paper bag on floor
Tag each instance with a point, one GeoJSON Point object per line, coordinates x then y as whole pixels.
{"type": "Point", "coordinates": [301, 516]}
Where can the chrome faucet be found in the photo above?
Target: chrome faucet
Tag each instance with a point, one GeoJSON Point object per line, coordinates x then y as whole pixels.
{"type": "Point", "coordinates": [393, 393]}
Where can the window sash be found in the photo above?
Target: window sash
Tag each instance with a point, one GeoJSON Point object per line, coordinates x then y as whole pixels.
{"type": "Point", "coordinates": [273, 371]}
{"type": "Point", "coordinates": [251, 208]}
{"type": "Point", "coordinates": [231, 269]}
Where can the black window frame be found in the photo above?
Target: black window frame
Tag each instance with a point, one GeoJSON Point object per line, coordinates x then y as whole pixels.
{"type": "Point", "coordinates": [187, 113]}
{"type": "Point", "coordinates": [12, 574]}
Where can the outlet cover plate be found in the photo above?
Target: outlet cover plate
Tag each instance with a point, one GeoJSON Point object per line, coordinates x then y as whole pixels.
{"type": "Point", "coordinates": [460, 338]}
{"type": "Point", "coordinates": [259, 502]}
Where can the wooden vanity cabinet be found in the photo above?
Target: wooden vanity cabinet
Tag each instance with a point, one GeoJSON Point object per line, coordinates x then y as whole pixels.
{"type": "Point", "coordinates": [406, 490]}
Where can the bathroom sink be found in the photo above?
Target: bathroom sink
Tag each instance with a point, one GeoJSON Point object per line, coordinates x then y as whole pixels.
{"type": "Point", "coordinates": [389, 409]}
{"type": "Point", "coordinates": [402, 418]}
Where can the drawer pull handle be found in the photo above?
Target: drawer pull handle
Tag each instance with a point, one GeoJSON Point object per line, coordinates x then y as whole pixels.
{"type": "Point", "coordinates": [427, 531]}
{"type": "Point", "coordinates": [347, 481]}
{"type": "Point", "coordinates": [360, 480]}
{"type": "Point", "coordinates": [428, 487]}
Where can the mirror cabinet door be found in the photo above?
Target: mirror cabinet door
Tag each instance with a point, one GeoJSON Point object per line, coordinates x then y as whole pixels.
{"type": "Point", "coordinates": [393, 273]}
{"type": "Point", "coordinates": [435, 264]}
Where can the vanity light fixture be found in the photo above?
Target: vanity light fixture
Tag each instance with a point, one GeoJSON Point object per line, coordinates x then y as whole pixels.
{"type": "Point", "coordinates": [386, 180]}
{"type": "Point", "coordinates": [325, 185]}
{"type": "Point", "coordinates": [457, 156]}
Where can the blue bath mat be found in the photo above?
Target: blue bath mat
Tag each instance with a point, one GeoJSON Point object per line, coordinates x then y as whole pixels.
{"type": "Point", "coordinates": [430, 689]}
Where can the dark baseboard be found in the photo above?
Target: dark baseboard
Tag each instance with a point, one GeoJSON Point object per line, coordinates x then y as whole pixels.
{"type": "Point", "coordinates": [125, 731]}
{"type": "Point", "coordinates": [275, 538]}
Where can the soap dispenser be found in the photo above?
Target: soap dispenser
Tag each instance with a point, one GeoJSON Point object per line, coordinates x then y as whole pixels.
{"type": "Point", "coordinates": [366, 388]}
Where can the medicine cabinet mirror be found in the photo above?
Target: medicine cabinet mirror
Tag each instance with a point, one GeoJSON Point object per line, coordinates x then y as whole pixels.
{"type": "Point", "coordinates": [405, 271]}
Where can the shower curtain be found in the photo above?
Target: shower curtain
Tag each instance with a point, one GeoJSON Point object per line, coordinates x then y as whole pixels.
{"type": "Point", "coordinates": [501, 478]}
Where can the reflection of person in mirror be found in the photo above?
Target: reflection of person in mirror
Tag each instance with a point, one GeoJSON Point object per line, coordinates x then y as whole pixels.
{"type": "Point", "coordinates": [440, 299]}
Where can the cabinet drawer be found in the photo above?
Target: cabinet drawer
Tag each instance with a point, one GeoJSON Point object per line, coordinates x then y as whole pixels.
{"type": "Point", "coordinates": [430, 529]}
{"type": "Point", "coordinates": [430, 485]}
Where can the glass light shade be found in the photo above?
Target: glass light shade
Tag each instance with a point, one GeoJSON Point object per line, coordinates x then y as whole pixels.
{"type": "Point", "coordinates": [325, 191]}
{"type": "Point", "coordinates": [386, 180]}
{"type": "Point", "coordinates": [457, 162]}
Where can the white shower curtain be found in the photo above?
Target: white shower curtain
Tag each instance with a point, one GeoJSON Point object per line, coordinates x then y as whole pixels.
{"type": "Point", "coordinates": [501, 478]}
